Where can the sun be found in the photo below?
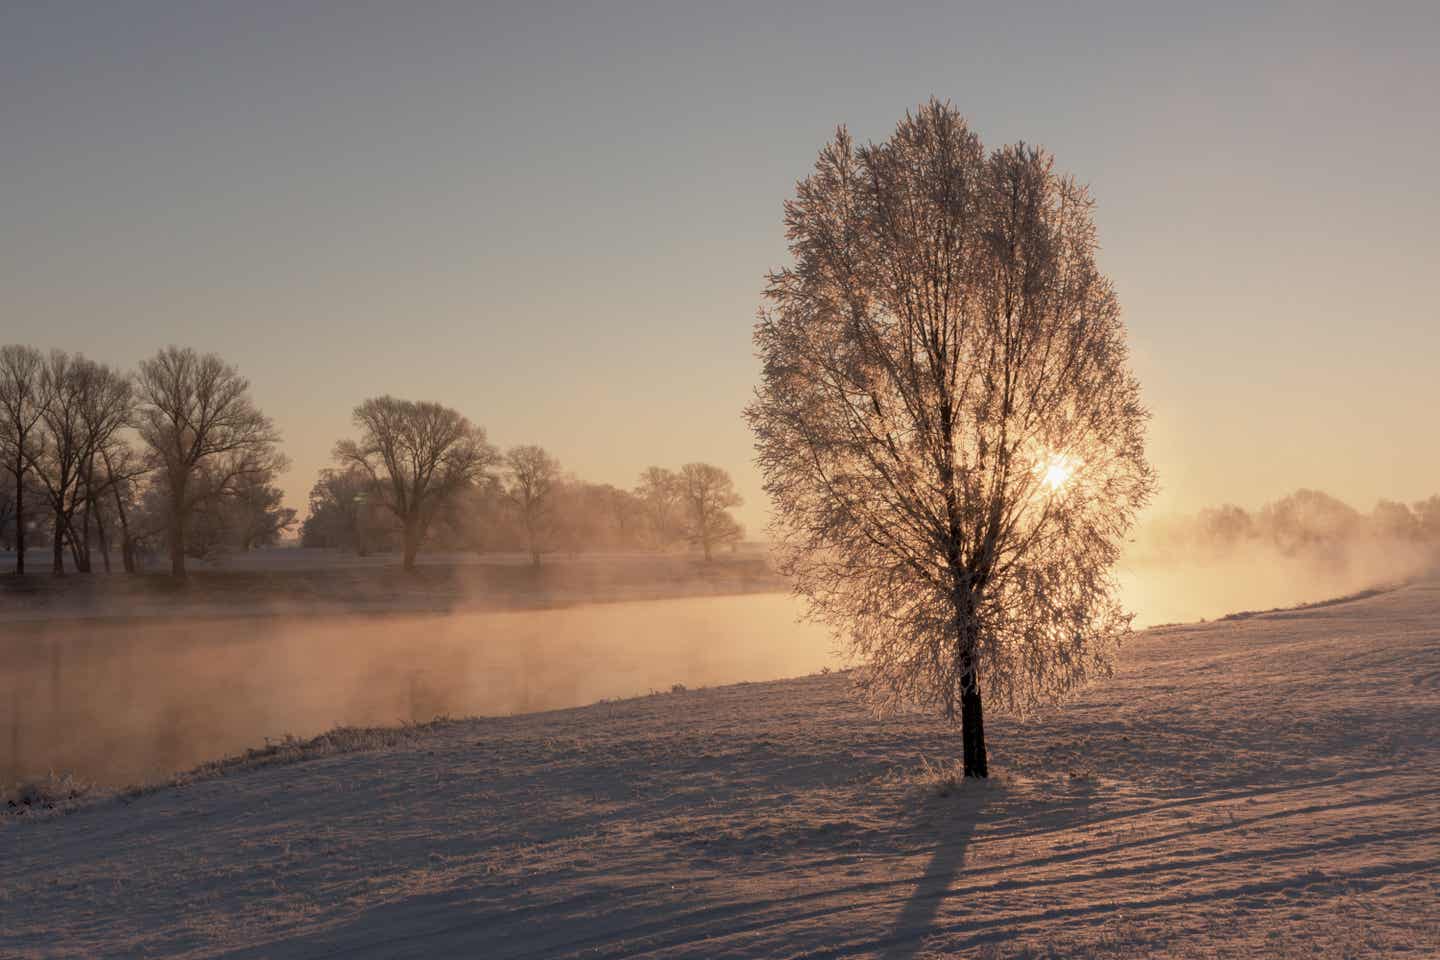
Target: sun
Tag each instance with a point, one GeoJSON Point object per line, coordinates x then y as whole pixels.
{"type": "Point", "coordinates": [1056, 471]}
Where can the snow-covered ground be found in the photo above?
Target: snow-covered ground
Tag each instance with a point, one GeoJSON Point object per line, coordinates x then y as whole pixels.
{"type": "Point", "coordinates": [1264, 787]}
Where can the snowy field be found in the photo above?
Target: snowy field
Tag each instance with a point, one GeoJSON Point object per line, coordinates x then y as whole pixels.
{"type": "Point", "coordinates": [1263, 787]}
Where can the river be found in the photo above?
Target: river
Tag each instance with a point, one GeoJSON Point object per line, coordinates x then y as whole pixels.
{"type": "Point", "coordinates": [120, 702]}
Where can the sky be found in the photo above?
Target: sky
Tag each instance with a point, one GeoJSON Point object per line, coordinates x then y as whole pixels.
{"type": "Point", "coordinates": [557, 218]}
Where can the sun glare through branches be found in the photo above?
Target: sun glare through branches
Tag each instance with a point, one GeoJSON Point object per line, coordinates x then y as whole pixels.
{"type": "Point", "coordinates": [1056, 470]}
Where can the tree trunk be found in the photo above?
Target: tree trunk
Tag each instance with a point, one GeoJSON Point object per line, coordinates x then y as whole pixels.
{"type": "Point", "coordinates": [411, 545]}
{"type": "Point", "coordinates": [104, 541]}
{"type": "Point", "coordinates": [19, 517]}
{"type": "Point", "coordinates": [57, 546]}
{"type": "Point", "coordinates": [972, 726]}
{"type": "Point", "coordinates": [177, 541]}
{"type": "Point", "coordinates": [79, 545]}
{"type": "Point", "coordinates": [127, 549]}
{"type": "Point", "coordinates": [82, 553]}
{"type": "Point", "coordinates": [533, 538]}
{"type": "Point", "coordinates": [77, 557]}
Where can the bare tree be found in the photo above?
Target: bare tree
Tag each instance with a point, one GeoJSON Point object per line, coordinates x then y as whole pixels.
{"type": "Point", "coordinates": [196, 414]}
{"type": "Point", "coordinates": [532, 485]}
{"type": "Point", "coordinates": [123, 470]}
{"type": "Point", "coordinates": [622, 512]}
{"type": "Point", "coordinates": [23, 402]}
{"type": "Point", "coordinates": [58, 458]}
{"type": "Point", "coordinates": [340, 504]}
{"type": "Point", "coordinates": [107, 406]}
{"type": "Point", "coordinates": [946, 420]}
{"type": "Point", "coordinates": [87, 405]}
{"type": "Point", "coordinates": [258, 512]}
{"type": "Point", "coordinates": [1427, 515]}
{"type": "Point", "coordinates": [659, 493]}
{"type": "Point", "coordinates": [418, 457]}
{"type": "Point", "coordinates": [243, 512]}
{"type": "Point", "coordinates": [707, 494]}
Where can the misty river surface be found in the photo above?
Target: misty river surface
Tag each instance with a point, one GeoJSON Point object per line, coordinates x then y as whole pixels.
{"type": "Point", "coordinates": [124, 702]}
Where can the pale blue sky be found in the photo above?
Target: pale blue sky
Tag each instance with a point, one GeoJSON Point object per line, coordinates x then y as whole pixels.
{"type": "Point", "coordinates": [557, 218]}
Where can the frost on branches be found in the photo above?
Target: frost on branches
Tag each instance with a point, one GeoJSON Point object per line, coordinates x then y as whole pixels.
{"type": "Point", "coordinates": [947, 422]}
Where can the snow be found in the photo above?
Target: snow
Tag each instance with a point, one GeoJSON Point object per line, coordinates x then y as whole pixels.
{"type": "Point", "coordinates": [1256, 787]}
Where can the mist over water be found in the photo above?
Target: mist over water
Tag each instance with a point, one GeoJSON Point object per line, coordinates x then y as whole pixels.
{"type": "Point", "coordinates": [127, 701]}
{"type": "Point", "coordinates": [1302, 548]}
{"type": "Point", "coordinates": [1204, 588]}
{"type": "Point", "coordinates": [120, 703]}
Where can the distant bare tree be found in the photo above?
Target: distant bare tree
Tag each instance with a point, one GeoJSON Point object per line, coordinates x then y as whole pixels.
{"type": "Point", "coordinates": [196, 414]}
{"type": "Point", "coordinates": [58, 456]}
{"type": "Point", "coordinates": [23, 402]}
{"type": "Point", "coordinates": [659, 495]}
{"type": "Point", "coordinates": [1309, 520]}
{"type": "Point", "coordinates": [258, 512]}
{"type": "Point", "coordinates": [1427, 516]}
{"type": "Point", "coordinates": [622, 514]}
{"type": "Point", "coordinates": [1225, 526]}
{"type": "Point", "coordinates": [89, 403]}
{"type": "Point", "coordinates": [243, 512]}
{"type": "Point", "coordinates": [576, 521]}
{"type": "Point", "coordinates": [123, 470]}
{"type": "Point", "coordinates": [707, 494]}
{"type": "Point", "coordinates": [418, 457]}
{"type": "Point", "coordinates": [339, 503]}
{"type": "Point", "coordinates": [485, 519]}
{"type": "Point", "coordinates": [1394, 521]}
{"type": "Point", "coordinates": [107, 407]}
{"type": "Point", "coordinates": [533, 481]}
{"type": "Point", "coordinates": [946, 421]}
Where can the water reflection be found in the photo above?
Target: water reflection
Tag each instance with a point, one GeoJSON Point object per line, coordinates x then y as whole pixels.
{"type": "Point", "coordinates": [124, 702]}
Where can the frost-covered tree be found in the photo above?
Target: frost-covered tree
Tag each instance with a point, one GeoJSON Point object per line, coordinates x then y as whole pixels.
{"type": "Point", "coordinates": [532, 486]}
{"type": "Point", "coordinates": [418, 456]}
{"type": "Point", "coordinates": [706, 495]}
{"type": "Point", "coordinates": [947, 423]}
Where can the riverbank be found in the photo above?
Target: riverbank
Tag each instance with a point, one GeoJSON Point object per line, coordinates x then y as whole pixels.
{"type": "Point", "coordinates": [1256, 787]}
{"type": "Point", "coordinates": [292, 582]}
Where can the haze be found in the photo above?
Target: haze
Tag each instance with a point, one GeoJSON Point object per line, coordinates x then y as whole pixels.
{"type": "Point", "coordinates": [554, 220]}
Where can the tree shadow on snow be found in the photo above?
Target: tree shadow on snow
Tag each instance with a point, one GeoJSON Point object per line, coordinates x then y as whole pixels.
{"type": "Point", "coordinates": [917, 920]}
{"type": "Point", "coordinates": [954, 830]}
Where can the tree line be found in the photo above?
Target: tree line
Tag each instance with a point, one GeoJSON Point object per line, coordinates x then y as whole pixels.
{"type": "Point", "coordinates": [422, 474]}
{"type": "Point", "coordinates": [1304, 522]}
{"type": "Point", "coordinates": [176, 457]}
